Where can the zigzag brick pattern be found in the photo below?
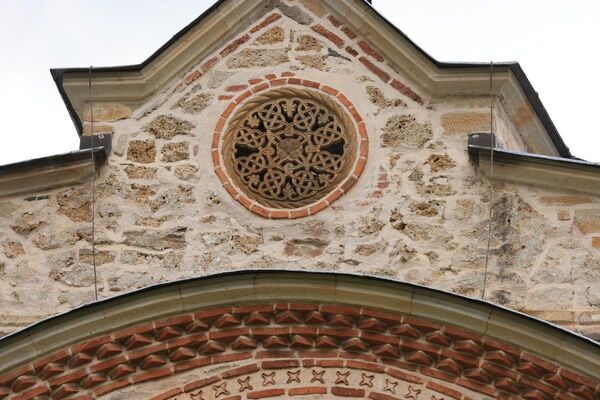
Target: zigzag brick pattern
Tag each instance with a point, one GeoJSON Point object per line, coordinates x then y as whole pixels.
{"type": "Point", "coordinates": [271, 337]}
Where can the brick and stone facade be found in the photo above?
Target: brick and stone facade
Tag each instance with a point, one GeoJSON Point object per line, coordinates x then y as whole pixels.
{"type": "Point", "coordinates": [415, 209]}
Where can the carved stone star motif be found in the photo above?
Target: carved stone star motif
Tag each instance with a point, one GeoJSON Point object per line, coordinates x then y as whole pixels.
{"type": "Point", "coordinates": [342, 377]}
{"type": "Point", "coordinates": [268, 379]}
{"type": "Point", "coordinates": [245, 384]}
{"type": "Point", "coordinates": [390, 386]}
{"type": "Point", "coordinates": [293, 376]}
{"type": "Point", "coordinates": [412, 393]}
{"type": "Point", "coordinates": [367, 380]}
{"type": "Point", "coordinates": [318, 376]}
{"type": "Point", "coordinates": [197, 395]}
{"type": "Point", "coordinates": [221, 389]}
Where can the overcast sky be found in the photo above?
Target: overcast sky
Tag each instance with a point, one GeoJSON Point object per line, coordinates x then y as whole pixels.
{"type": "Point", "coordinates": [554, 40]}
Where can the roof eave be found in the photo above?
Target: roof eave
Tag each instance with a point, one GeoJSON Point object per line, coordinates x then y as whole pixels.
{"type": "Point", "coordinates": [539, 170]}
{"type": "Point", "coordinates": [50, 172]}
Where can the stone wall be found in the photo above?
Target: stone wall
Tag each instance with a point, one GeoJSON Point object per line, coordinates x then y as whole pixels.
{"type": "Point", "coordinates": [418, 213]}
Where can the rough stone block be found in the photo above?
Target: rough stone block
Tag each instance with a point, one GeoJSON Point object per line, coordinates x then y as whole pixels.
{"type": "Point", "coordinates": [13, 249]}
{"type": "Point", "coordinates": [404, 130]}
{"type": "Point", "coordinates": [305, 247]}
{"type": "Point", "coordinates": [106, 112]}
{"type": "Point", "coordinates": [194, 105]}
{"type": "Point", "coordinates": [142, 151]}
{"type": "Point", "coordinates": [252, 58]}
{"type": "Point", "coordinates": [377, 97]}
{"type": "Point", "coordinates": [467, 122]}
{"type": "Point", "coordinates": [156, 240]}
{"type": "Point", "coordinates": [173, 152]}
{"type": "Point", "coordinates": [563, 200]}
{"type": "Point", "coordinates": [272, 36]}
{"type": "Point", "coordinates": [87, 129]}
{"type": "Point", "coordinates": [137, 172]}
{"type": "Point", "coordinates": [554, 316]}
{"type": "Point", "coordinates": [590, 318]}
{"type": "Point", "coordinates": [588, 220]}
{"type": "Point", "coordinates": [315, 61]}
{"type": "Point", "coordinates": [314, 6]}
{"type": "Point", "coordinates": [440, 162]}
{"type": "Point", "coordinates": [309, 43]}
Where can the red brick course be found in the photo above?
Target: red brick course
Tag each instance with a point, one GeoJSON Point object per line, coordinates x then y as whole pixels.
{"type": "Point", "coordinates": [265, 393]}
{"type": "Point", "coordinates": [303, 391]}
{"type": "Point", "coordinates": [234, 45]}
{"type": "Point", "coordinates": [336, 22]}
{"type": "Point", "coordinates": [368, 50]}
{"type": "Point", "coordinates": [192, 77]}
{"type": "Point", "coordinates": [381, 396]}
{"type": "Point", "coordinates": [366, 47]}
{"type": "Point", "coordinates": [236, 88]}
{"type": "Point", "coordinates": [200, 383]}
{"type": "Point", "coordinates": [267, 21]}
{"type": "Point", "coordinates": [347, 392]}
{"type": "Point", "coordinates": [351, 51]}
{"type": "Point", "coordinates": [407, 91]}
{"type": "Point", "coordinates": [418, 360]}
{"type": "Point", "coordinates": [209, 64]}
{"type": "Point", "coordinates": [349, 32]}
{"type": "Point", "coordinates": [335, 39]}
{"type": "Point", "coordinates": [384, 76]}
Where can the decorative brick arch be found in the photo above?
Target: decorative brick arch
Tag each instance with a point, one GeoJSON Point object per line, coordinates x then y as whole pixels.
{"type": "Point", "coordinates": [249, 344]}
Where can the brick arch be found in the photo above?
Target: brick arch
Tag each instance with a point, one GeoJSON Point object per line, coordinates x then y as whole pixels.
{"type": "Point", "coordinates": [362, 352]}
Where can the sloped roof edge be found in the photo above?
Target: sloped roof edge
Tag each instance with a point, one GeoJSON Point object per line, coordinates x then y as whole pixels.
{"type": "Point", "coordinates": [514, 67]}
{"type": "Point", "coordinates": [58, 73]}
{"type": "Point", "coordinates": [47, 173]}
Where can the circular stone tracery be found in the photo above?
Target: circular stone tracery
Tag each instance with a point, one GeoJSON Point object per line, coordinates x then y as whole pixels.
{"type": "Point", "coordinates": [288, 149]}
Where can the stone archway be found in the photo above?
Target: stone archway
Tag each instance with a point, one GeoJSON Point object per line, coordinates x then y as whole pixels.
{"type": "Point", "coordinates": [255, 335]}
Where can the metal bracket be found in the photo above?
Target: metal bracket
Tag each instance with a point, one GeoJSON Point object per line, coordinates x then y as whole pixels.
{"type": "Point", "coordinates": [103, 140]}
{"type": "Point", "coordinates": [483, 139]}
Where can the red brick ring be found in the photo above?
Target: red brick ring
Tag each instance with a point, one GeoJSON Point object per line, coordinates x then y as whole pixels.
{"type": "Point", "coordinates": [274, 81]}
{"type": "Point", "coordinates": [291, 350]}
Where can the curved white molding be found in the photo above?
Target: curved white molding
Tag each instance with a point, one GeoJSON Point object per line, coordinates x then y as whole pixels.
{"type": "Point", "coordinates": [254, 287]}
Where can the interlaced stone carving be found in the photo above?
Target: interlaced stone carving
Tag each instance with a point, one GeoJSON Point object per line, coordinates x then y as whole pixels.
{"type": "Point", "coordinates": [289, 147]}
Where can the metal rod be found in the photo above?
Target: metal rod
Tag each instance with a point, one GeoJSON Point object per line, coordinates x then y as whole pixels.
{"type": "Point", "coordinates": [491, 200]}
{"type": "Point", "coordinates": [93, 183]}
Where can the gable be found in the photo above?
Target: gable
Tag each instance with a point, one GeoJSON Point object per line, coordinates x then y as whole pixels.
{"type": "Point", "coordinates": [222, 25]}
{"type": "Point", "coordinates": [396, 195]}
